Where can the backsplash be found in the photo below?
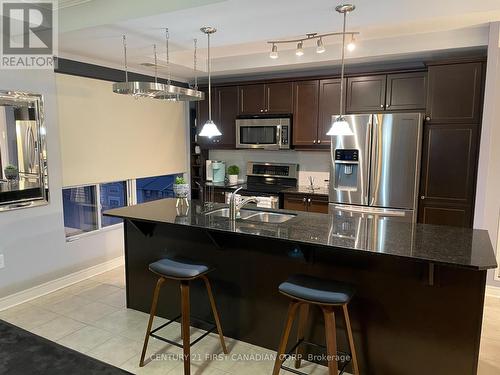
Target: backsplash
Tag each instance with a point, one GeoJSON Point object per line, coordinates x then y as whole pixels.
{"type": "Point", "coordinates": [311, 163]}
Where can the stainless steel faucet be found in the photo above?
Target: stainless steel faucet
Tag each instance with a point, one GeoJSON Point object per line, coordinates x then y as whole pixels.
{"type": "Point", "coordinates": [234, 209]}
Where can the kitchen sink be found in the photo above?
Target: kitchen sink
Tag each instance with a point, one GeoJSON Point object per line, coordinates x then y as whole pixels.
{"type": "Point", "coordinates": [270, 217]}
{"type": "Point", "coordinates": [254, 215]}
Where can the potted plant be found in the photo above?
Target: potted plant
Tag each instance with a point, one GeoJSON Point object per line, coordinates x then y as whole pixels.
{"type": "Point", "coordinates": [181, 188]}
{"type": "Point", "coordinates": [233, 172]}
{"type": "Point", "coordinates": [11, 172]}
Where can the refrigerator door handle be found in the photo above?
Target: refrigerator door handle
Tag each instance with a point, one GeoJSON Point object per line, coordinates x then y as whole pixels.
{"type": "Point", "coordinates": [374, 161]}
{"type": "Point", "coordinates": [368, 146]}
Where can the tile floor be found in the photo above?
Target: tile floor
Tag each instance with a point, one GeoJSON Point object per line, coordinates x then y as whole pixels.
{"type": "Point", "coordinates": [91, 317]}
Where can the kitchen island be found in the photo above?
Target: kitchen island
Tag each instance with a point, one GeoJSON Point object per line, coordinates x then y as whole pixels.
{"type": "Point", "coordinates": [420, 288]}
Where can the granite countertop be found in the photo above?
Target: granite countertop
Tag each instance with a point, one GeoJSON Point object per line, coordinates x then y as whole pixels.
{"type": "Point", "coordinates": [305, 189]}
{"type": "Point", "coordinates": [452, 246]}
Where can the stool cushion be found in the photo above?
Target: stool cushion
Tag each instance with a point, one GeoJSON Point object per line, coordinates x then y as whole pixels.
{"type": "Point", "coordinates": [317, 290]}
{"type": "Point", "coordinates": [178, 269]}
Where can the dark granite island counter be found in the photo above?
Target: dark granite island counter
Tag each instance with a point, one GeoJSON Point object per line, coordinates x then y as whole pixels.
{"type": "Point", "coordinates": [420, 288]}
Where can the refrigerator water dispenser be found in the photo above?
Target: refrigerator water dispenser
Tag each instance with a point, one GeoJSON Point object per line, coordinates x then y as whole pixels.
{"type": "Point", "coordinates": [346, 169]}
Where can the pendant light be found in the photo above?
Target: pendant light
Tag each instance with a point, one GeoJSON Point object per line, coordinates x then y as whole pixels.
{"type": "Point", "coordinates": [339, 125]}
{"type": "Point", "coordinates": [209, 128]}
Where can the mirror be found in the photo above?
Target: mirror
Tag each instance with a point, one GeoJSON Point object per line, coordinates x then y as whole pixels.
{"type": "Point", "coordinates": [23, 155]}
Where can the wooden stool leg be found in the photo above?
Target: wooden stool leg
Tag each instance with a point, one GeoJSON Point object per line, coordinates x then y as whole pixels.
{"type": "Point", "coordinates": [331, 339]}
{"type": "Point", "coordinates": [152, 314]}
{"type": "Point", "coordinates": [186, 347]}
{"type": "Point", "coordinates": [215, 313]}
{"type": "Point", "coordinates": [303, 315]}
{"type": "Point", "coordinates": [354, 357]}
{"type": "Point", "coordinates": [292, 310]}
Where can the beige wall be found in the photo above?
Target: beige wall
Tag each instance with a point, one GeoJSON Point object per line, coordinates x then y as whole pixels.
{"type": "Point", "coordinates": [488, 182]}
{"type": "Point", "coordinates": [108, 137]}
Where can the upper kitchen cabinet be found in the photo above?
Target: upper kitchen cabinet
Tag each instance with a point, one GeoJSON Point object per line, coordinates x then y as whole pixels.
{"type": "Point", "coordinates": [366, 94]}
{"type": "Point", "coordinates": [406, 91]}
{"type": "Point", "coordinates": [454, 93]}
{"type": "Point", "coordinates": [224, 111]}
{"type": "Point", "coordinates": [271, 98]}
{"type": "Point", "coordinates": [252, 99]}
{"type": "Point", "coordinates": [305, 113]}
{"type": "Point", "coordinates": [279, 98]}
{"type": "Point", "coordinates": [329, 105]}
{"type": "Point", "coordinates": [227, 110]}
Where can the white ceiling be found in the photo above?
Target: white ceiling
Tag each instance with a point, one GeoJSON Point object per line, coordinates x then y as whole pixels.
{"type": "Point", "coordinates": [390, 29]}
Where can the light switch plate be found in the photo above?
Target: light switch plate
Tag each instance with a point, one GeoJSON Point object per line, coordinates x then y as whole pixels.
{"type": "Point", "coordinates": [2, 261]}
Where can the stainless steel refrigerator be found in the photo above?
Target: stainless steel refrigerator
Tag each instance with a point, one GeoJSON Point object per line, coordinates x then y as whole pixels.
{"type": "Point", "coordinates": [376, 170]}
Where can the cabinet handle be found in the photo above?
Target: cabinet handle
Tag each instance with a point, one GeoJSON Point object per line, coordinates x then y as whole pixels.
{"type": "Point", "coordinates": [261, 110]}
{"type": "Point", "coordinates": [265, 110]}
{"type": "Point", "coordinates": [314, 141]}
{"type": "Point", "coordinates": [388, 106]}
{"type": "Point", "coordinates": [422, 197]}
{"type": "Point", "coordinates": [381, 106]}
{"type": "Point", "coordinates": [427, 118]}
{"type": "Point", "coordinates": [319, 141]}
{"type": "Point", "coordinates": [309, 200]}
{"type": "Point", "coordinates": [304, 200]}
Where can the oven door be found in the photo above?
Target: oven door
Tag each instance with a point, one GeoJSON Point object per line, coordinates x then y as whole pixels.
{"type": "Point", "coordinates": [259, 133]}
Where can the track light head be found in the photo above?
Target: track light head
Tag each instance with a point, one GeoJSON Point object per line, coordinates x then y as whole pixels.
{"type": "Point", "coordinates": [274, 52]}
{"type": "Point", "coordinates": [300, 49]}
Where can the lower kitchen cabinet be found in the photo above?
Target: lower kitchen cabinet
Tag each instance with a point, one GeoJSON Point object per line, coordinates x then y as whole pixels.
{"type": "Point", "coordinates": [308, 203]}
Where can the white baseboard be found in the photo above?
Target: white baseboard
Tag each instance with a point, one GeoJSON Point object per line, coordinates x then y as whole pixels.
{"type": "Point", "coordinates": [62, 282]}
{"type": "Point", "coordinates": [492, 291]}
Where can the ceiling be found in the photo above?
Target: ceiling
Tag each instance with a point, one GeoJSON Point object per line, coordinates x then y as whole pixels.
{"type": "Point", "coordinates": [91, 31]}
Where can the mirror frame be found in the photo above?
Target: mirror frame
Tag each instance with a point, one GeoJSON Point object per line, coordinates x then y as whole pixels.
{"type": "Point", "coordinates": [37, 100]}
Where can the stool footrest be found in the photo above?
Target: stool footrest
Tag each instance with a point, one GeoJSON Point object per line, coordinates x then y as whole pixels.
{"type": "Point", "coordinates": [207, 332]}
{"type": "Point", "coordinates": [342, 367]}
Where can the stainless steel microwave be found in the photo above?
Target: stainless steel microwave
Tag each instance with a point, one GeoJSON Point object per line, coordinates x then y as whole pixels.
{"type": "Point", "coordinates": [263, 133]}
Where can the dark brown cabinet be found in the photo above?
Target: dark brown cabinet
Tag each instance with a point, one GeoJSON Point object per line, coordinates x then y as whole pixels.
{"type": "Point", "coordinates": [227, 110]}
{"type": "Point", "coordinates": [392, 92]}
{"type": "Point", "coordinates": [272, 98]}
{"type": "Point", "coordinates": [406, 91]}
{"type": "Point", "coordinates": [454, 93]}
{"type": "Point", "coordinates": [306, 202]}
{"type": "Point", "coordinates": [305, 113]}
{"type": "Point", "coordinates": [279, 98]}
{"type": "Point", "coordinates": [366, 94]}
{"type": "Point", "coordinates": [448, 174]}
{"type": "Point", "coordinates": [329, 105]}
{"type": "Point", "coordinates": [252, 99]}
{"type": "Point", "coordinates": [224, 111]}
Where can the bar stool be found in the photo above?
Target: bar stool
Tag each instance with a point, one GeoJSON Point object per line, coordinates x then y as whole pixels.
{"type": "Point", "coordinates": [305, 291]}
{"type": "Point", "coordinates": [183, 272]}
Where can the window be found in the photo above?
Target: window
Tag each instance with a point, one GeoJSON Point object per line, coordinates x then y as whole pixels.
{"type": "Point", "coordinates": [154, 188]}
{"type": "Point", "coordinates": [113, 195]}
{"type": "Point", "coordinates": [80, 210]}
{"type": "Point", "coordinates": [83, 211]}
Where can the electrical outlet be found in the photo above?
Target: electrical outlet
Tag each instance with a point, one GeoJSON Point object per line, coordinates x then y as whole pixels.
{"type": "Point", "coordinates": [2, 261]}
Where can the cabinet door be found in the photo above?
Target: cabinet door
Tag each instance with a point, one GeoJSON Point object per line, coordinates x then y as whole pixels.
{"type": "Point", "coordinates": [252, 99]}
{"type": "Point", "coordinates": [305, 113]}
{"type": "Point", "coordinates": [329, 105]}
{"type": "Point", "coordinates": [454, 93]}
{"type": "Point", "coordinates": [279, 98]}
{"type": "Point", "coordinates": [227, 109]}
{"type": "Point", "coordinates": [318, 204]}
{"type": "Point", "coordinates": [442, 214]}
{"type": "Point", "coordinates": [295, 202]}
{"type": "Point", "coordinates": [406, 91]}
{"type": "Point", "coordinates": [366, 94]}
{"type": "Point", "coordinates": [449, 160]}
{"type": "Point", "coordinates": [202, 117]}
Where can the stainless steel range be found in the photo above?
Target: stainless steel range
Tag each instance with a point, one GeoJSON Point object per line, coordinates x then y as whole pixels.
{"type": "Point", "coordinates": [269, 180]}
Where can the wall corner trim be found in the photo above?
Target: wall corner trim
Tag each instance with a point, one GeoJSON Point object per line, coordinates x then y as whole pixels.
{"type": "Point", "coordinates": [62, 282]}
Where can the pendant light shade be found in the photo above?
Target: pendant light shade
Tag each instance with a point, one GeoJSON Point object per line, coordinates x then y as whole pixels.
{"type": "Point", "coordinates": [209, 128]}
{"type": "Point", "coordinates": [339, 127]}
